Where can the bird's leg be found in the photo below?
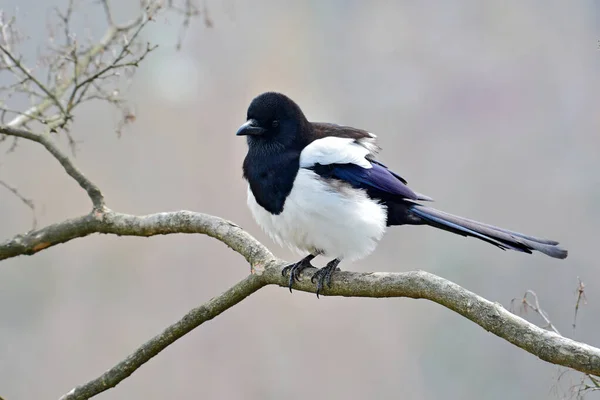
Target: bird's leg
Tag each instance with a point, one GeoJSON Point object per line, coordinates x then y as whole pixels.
{"type": "Point", "coordinates": [295, 269]}
{"type": "Point", "coordinates": [323, 275]}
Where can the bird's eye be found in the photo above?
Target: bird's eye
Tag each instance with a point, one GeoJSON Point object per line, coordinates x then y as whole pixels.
{"type": "Point", "coordinates": [275, 124]}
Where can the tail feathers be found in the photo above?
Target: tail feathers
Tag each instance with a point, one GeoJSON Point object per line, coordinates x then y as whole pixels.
{"type": "Point", "coordinates": [502, 238]}
{"type": "Point", "coordinates": [422, 197]}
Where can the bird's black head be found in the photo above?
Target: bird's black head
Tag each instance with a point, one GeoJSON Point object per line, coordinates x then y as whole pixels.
{"type": "Point", "coordinates": [273, 119]}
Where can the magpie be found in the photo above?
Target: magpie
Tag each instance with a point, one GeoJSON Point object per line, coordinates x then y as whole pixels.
{"type": "Point", "coordinates": [317, 188]}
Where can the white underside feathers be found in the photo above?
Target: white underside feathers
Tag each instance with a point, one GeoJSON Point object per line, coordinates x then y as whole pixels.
{"type": "Point", "coordinates": [324, 216]}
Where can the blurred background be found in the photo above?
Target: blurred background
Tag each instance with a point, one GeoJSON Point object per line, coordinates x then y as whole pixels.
{"type": "Point", "coordinates": [490, 108]}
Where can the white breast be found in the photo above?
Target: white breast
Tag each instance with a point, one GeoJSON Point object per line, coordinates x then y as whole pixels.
{"type": "Point", "coordinates": [326, 216]}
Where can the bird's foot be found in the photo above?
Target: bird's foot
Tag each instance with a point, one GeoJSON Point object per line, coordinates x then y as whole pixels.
{"type": "Point", "coordinates": [295, 269]}
{"type": "Point", "coordinates": [323, 275]}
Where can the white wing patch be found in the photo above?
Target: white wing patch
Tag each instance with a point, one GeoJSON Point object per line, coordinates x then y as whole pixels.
{"type": "Point", "coordinates": [336, 150]}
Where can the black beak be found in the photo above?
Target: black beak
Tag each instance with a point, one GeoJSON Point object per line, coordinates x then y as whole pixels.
{"type": "Point", "coordinates": [250, 128]}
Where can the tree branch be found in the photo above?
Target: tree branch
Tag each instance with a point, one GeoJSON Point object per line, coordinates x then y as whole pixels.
{"type": "Point", "coordinates": [83, 62]}
{"type": "Point", "coordinates": [265, 268]}
{"type": "Point", "coordinates": [92, 190]}
{"type": "Point", "coordinates": [142, 355]}
{"type": "Point", "coordinates": [18, 66]}
{"type": "Point", "coordinates": [72, 70]}
{"type": "Point", "coordinates": [110, 222]}
{"type": "Point", "coordinates": [494, 318]}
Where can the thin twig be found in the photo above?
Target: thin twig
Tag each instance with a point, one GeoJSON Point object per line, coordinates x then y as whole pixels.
{"type": "Point", "coordinates": [107, 12]}
{"type": "Point", "coordinates": [84, 61]}
{"type": "Point", "coordinates": [581, 299]}
{"type": "Point", "coordinates": [526, 304]}
{"type": "Point", "coordinates": [66, 19]}
{"type": "Point", "coordinates": [17, 64]}
{"type": "Point", "coordinates": [28, 202]}
{"type": "Point", "coordinates": [116, 64]}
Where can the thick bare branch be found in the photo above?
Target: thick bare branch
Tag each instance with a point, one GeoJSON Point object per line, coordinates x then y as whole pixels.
{"type": "Point", "coordinates": [266, 270]}
{"type": "Point", "coordinates": [110, 222]}
{"type": "Point", "coordinates": [494, 318]}
{"type": "Point", "coordinates": [44, 139]}
{"type": "Point", "coordinates": [548, 346]}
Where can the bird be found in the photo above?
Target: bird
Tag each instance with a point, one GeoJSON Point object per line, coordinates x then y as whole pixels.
{"type": "Point", "coordinates": [318, 189]}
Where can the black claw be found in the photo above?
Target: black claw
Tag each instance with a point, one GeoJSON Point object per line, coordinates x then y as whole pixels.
{"type": "Point", "coordinates": [328, 279]}
{"type": "Point", "coordinates": [323, 275]}
{"type": "Point", "coordinates": [296, 269]}
{"type": "Point", "coordinates": [291, 280]}
{"type": "Point", "coordinates": [290, 269]}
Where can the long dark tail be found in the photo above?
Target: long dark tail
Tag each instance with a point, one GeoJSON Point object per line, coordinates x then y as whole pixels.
{"type": "Point", "coordinates": [502, 238]}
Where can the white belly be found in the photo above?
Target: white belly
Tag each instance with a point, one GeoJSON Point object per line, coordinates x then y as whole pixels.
{"type": "Point", "coordinates": [341, 222]}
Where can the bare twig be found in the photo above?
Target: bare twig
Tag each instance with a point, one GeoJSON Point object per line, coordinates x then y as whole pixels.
{"type": "Point", "coordinates": [594, 381]}
{"type": "Point", "coordinates": [6, 35]}
{"type": "Point", "coordinates": [115, 64]}
{"type": "Point", "coordinates": [83, 62]}
{"type": "Point", "coordinates": [581, 299]}
{"type": "Point", "coordinates": [17, 64]}
{"type": "Point", "coordinates": [535, 306]}
{"type": "Point", "coordinates": [108, 12]}
{"type": "Point", "coordinates": [72, 71]}
{"type": "Point", "coordinates": [582, 387]}
{"type": "Point", "coordinates": [66, 19]}
{"type": "Point", "coordinates": [188, 12]}
{"type": "Point", "coordinates": [28, 202]}
{"type": "Point", "coordinates": [13, 146]}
